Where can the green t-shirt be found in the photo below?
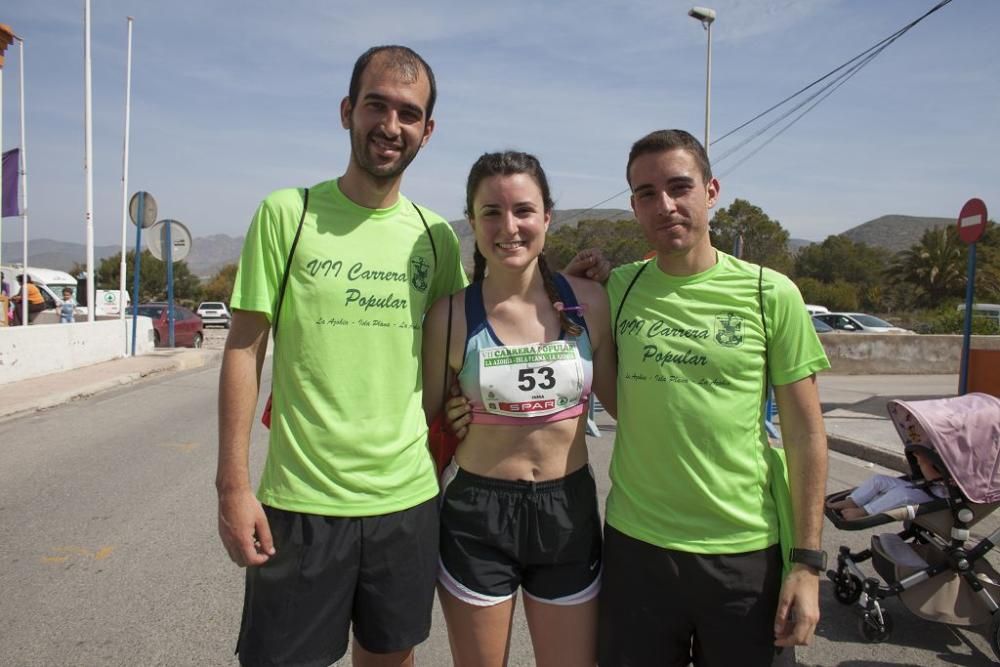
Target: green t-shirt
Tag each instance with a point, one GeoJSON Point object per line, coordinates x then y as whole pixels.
{"type": "Point", "coordinates": [688, 470]}
{"type": "Point", "coordinates": [348, 434]}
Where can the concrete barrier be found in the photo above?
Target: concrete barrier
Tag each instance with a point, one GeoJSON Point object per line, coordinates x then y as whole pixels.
{"type": "Point", "coordinates": [40, 349]}
{"type": "Point", "coordinates": [898, 354]}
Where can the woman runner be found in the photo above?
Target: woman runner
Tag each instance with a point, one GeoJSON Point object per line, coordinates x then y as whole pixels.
{"type": "Point", "coordinates": [519, 503]}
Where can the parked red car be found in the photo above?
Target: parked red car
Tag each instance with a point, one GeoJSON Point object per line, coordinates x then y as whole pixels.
{"type": "Point", "coordinates": [187, 325]}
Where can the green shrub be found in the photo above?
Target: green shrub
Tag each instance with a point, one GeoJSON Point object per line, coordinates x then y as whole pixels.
{"type": "Point", "coordinates": [947, 320]}
{"type": "Point", "coordinates": [837, 296]}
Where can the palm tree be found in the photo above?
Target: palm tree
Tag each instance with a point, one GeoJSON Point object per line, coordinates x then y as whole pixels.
{"type": "Point", "coordinates": [934, 267]}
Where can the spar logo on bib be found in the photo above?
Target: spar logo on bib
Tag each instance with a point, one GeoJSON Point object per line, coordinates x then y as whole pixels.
{"type": "Point", "coordinates": [525, 407]}
{"type": "Point", "coordinates": [729, 330]}
{"type": "Point", "coordinates": [419, 270]}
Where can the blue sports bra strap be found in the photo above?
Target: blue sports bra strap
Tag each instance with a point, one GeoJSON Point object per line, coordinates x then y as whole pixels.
{"type": "Point", "coordinates": [569, 300]}
{"type": "Point", "coordinates": [475, 310]}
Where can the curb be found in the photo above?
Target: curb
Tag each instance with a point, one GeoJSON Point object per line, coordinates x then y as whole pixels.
{"type": "Point", "coordinates": [867, 452]}
{"type": "Point", "coordinates": [188, 360]}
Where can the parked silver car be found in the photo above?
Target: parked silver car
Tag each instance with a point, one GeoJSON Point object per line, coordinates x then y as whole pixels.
{"type": "Point", "coordinates": [821, 326]}
{"type": "Point", "coordinates": [214, 313]}
{"type": "Point", "coordinates": [859, 322]}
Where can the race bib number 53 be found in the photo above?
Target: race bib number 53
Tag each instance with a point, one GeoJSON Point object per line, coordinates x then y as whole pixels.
{"type": "Point", "coordinates": [531, 380]}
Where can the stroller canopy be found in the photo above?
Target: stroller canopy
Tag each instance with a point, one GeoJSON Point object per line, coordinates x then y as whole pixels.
{"type": "Point", "coordinates": [964, 431]}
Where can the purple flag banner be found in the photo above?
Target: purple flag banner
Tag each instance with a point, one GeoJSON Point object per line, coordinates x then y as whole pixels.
{"type": "Point", "coordinates": [11, 161]}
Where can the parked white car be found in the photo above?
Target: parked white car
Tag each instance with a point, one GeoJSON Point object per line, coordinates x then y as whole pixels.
{"type": "Point", "coordinates": [214, 312]}
{"type": "Point", "coordinates": [859, 322]}
{"type": "Point", "coordinates": [989, 311]}
{"type": "Point", "coordinates": [816, 310]}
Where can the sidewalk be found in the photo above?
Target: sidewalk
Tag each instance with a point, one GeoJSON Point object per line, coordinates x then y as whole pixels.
{"type": "Point", "coordinates": [19, 398]}
{"type": "Point", "coordinates": [854, 411]}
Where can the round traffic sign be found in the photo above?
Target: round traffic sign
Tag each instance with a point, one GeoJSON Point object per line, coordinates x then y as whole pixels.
{"type": "Point", "coordinates": [148, 212]}
{"type": "Point", "coordinates": [972, 221]}
{"type": "Point", "coordinates": [180, 240]}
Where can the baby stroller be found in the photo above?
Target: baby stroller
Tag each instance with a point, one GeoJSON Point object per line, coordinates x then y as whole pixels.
{"type": "Point", "coordinates": [933, 565]}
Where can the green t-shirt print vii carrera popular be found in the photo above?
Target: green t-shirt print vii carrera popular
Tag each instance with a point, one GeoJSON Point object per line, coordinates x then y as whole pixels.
{"type": "Point", "coordinates": [348, 434]}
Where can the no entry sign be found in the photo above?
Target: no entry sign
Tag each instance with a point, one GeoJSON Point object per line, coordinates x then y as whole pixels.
{"type": "Point", "coordinates": [972, 221]}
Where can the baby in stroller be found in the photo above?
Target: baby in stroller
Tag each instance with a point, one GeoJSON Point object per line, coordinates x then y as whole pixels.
{"type": "Point", "coordinates": [882, 493]}
{"type": "Point", "coordinates": [934, 565]}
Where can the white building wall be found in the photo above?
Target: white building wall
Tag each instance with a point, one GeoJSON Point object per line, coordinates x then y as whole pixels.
{"type": "Point", "coordinates": [40, 349]}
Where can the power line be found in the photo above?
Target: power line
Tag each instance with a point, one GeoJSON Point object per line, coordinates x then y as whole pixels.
{"type": "Point", "coordinates": [793, 121]}
{"type": "Point", "coordinates": [827, 89]}
{"type": "Point", "coordinates": [884, 43]}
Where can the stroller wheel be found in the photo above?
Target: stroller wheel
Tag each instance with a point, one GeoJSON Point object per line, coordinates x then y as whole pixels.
{"type": "Point", "coordinates": [873, 631]}
{"type": "Point", "coordinates": [847, 588]}
{"type": "Point", "coordinates": [995, 634]}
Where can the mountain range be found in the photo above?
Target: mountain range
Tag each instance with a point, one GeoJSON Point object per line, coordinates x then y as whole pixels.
{"type": "Point", "coordinates": [211, 253]}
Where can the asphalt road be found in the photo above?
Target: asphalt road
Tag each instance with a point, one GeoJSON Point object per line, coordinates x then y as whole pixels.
{"type": "Point", "coordinates": [110, 555]}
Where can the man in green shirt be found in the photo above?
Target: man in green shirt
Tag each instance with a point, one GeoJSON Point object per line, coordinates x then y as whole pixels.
{"type": "Point", "coordinates": [692, 566]}
{"type": "Point", "coordinates": [344, 527]}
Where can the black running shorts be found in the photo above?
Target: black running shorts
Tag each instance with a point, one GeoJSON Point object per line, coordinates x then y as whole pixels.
{"type": "Point", "coordinates": [498, 535]}
{"type": "Point", "coordinates": [377, 572]}
{"type": "Point", "coordinates": [665, 607]}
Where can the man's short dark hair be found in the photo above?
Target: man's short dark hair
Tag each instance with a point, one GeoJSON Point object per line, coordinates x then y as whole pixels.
{"type": "Point", "coordinates": [662, 141]}
{"type": "Point", "coordinates": [400, 58]}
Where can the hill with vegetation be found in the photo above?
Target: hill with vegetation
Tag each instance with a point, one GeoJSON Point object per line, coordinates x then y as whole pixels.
{"type": "Point", "coordinates": [895, 232]}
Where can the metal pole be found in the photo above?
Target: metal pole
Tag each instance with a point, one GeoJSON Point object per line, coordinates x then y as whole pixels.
{"type": "Point", "coordinates": [24, 176]}
{"type": "Point", "coordinates": [128, 95]}
{"type": "Point", "coordinates": [140, 221]}
{"type": "Point", "coordinates": [708, 88]}
{"type": "Point", "coordinates": [88, 150]}
{"type": "Point", "coordinates": [168, 255]}
{"type": "Point", "coordinates": [963, 378]}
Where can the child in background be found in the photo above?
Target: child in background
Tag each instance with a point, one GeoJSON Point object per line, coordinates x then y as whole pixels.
{"type": "Point", "coordinates": [882, 493]}
{"type": "Point", "coordinates": [67, 307]}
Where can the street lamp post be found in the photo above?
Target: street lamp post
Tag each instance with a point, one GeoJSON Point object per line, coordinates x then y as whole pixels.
{"type": "Point", "coordinates": [706, 16]}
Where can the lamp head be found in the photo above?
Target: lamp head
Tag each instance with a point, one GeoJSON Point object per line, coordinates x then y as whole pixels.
{"type": "Point", "coordinates": [703, 14]}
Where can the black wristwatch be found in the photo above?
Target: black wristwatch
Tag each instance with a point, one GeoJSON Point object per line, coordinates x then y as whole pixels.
{"type": "Point", "coordinates": [816, 559]}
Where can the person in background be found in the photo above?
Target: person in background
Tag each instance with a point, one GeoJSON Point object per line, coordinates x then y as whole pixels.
{"type": "Point", "coordinates": [36, 303]}
{"type": "Point", "coordinates": [67, 307]}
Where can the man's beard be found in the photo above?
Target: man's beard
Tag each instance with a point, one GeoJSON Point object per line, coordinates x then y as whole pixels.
{"type": "Point", "coordinates": [361, 150]}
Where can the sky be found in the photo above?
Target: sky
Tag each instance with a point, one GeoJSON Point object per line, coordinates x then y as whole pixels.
{"type": "Point", "coordinates": [231, 100]}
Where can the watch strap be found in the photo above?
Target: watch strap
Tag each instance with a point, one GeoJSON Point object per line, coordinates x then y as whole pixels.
{"type": "Point", "coordinates": [814, 558]}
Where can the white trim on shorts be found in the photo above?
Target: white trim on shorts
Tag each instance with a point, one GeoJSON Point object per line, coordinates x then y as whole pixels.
{"type": "Point", "coordinates": [476, 599]}
{"type": "Point", "coordinates": [466, 594]}
{"type": "Point", "coordinates": [448, 475]}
